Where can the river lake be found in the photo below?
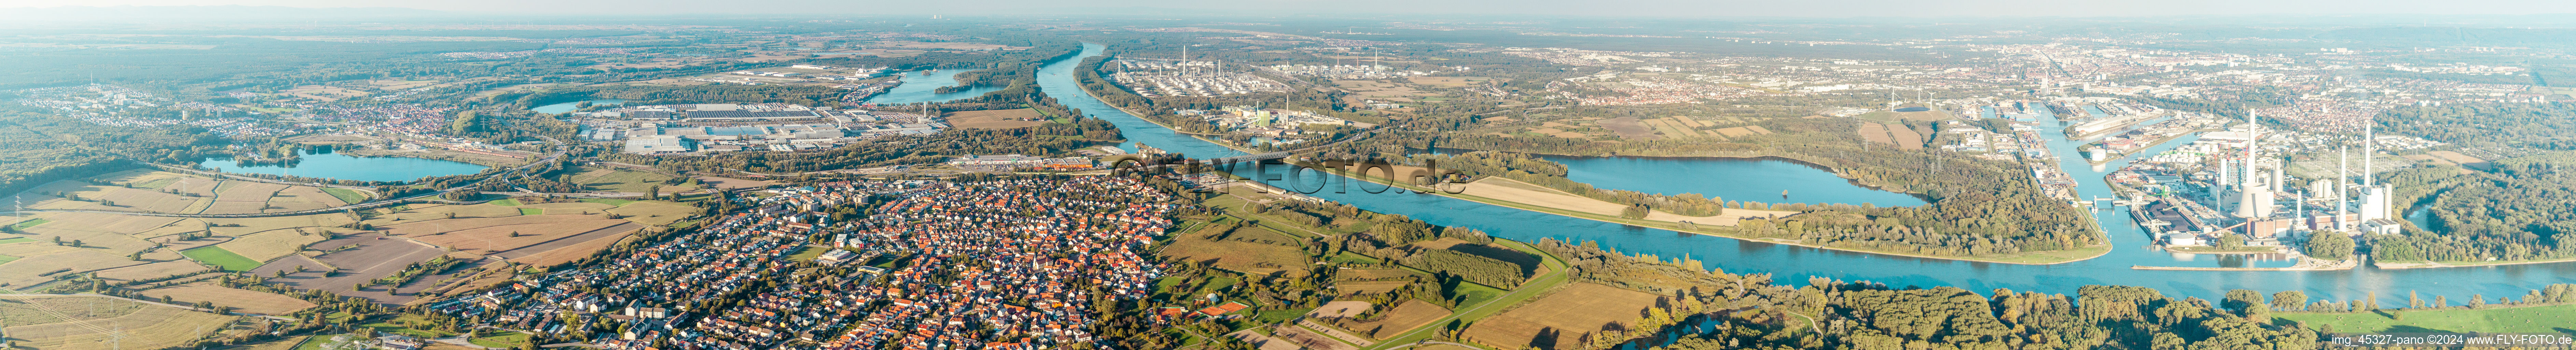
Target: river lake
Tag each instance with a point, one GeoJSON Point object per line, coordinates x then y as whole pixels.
{"type": "Point", "coordinates": [346, 167]}
{"type": "Point", "coordinates": [569, 106]}
{"type": "Point", "coordinates": [1792, 265]}
{"type": "Point", "coordinates": [923, 86]}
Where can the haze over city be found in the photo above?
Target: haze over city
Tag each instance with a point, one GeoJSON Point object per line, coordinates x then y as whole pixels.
{"type": "Point", "coordinates": [1286, 175]}
{"type": "Point", "coordinates": [1337, 8]}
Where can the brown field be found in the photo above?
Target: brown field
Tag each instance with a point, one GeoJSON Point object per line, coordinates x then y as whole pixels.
{"type": "Point", "coordinates": [1356, 288]}
{"type": "Point", "coordinates": [496, 239]}
{"type": "Point", "coordinates": [118, 233]}
{"type": "Point", "coordinates": [24, 272]}
{"type": "Point", "coordinates": [1676, 127]}
{"type": "Point", "coordinates": [1629, 127]}
{"type": "Point", "coordinates": [1247, 257]}
{"type": "Point", "coordinates": [422, 212]}
{"type": "Point", "coordinates": [1345, 308]}
{"type": "Point", "coordinates": [281, 344]}
{"type": "Point", "coordinates": [244, 191]}
{"type": "Point", "coordinates": [575, 251]}
{"type": "Point", "coordinates": [656, 213]}
{"type": "Point", "coordinates": [1875, 132]}
{"type": "Point", "coordinates": [732, 183]}
{"type": "Point", "coordinates": [1522, 192]}
{"type": "Point", "coordinates": [460, 223]}
{"type": "Point", "coordinates": [246, 300]}
{"type": "Point", "coordinates": [143, 328]}
{"type": "Point", "coordinates": [303, 198]}
{"type": "Point", "coordinates": [202, 187]}
{"type": "Point", "coordinates": [1451, 81]}
{"type": "Point", "coordinates": [271, 244]}
{"type": "Point", "coordinates": [996, 119]}
{"type": "Point", "coordinates": [1264, 342]}
{"type": "Point", "coordinates": [570, 208]}
{"type": "Point", "coordinates": [2463, 160]}
{"type": "Point", "coordinates": [1742, 131]}
{"type": "Point", "coordinates": [151, 271]}
{"type": "Point", "coordinates": [374, 257]}
{"type": "Point", "coordinates": [1404, 317]}
{"type": "Point", "coordinates": [1301, 338]}
{"type": "Point", "coordinates": [27, 249]}
{"type": "Point", "coordinates": [126, 199]}
{"type": "Point", "coordinates": [256, 225]}
{"type": "Point", "coordinates": [1906, 137]}
{"type": "Point", "coordinates": [1378, 90]}
{"type": "Point", "coordinates": [1372, 274]}
{"type": "Point", "coordinates": [236, 207]}
{"type": "Point", "coordinates": [1569, 312]}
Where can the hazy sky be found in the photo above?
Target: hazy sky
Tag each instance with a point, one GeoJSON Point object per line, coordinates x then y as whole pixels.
{"type": "Point", "coordinates": [1653, 8]}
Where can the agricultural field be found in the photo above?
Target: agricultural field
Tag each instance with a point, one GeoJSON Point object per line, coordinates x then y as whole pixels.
{"type": "Point", "coordinates": [1240, 256]}
{"type": "Point", "coordinates": [349, 262]}
{"type": "Point", "coordinates": [996, 119]}
{"type": "Point", "coordinates": [1404, 317]}
{"type": "Point", "coordinates": [271, 244]}
{"type": "Point", "coordinates": [1895, 134]}
{"type": "Point", "coordinates": [118, 234]}
{"type": "Point", "coordinates": [410, 213]}
{"type": "Point", "coordinates": [1629, 128]}
{"type": "Point", "coordinates": [1265, 342]}
{"type": "Point", "coordinates": [151, 271]}
{"type": "Point", "coordinates": [620, 179]}
{"type": "Point", "coordinates": [244, 226]}
{"type": "Point", "coordinates": [489, 240]}
{"type": "Point", "coordinates": [245, 300]}
{"type": "Point", "coordinates": [1448, 81]}
{"type": "Point", "coordinates": [1345, 308]}
{"type": "Point", "coordinates": [2537, 319]}
{"type": "Point", "coordinates": [39, 262]}
{"type": "Point", "coordinates": [418, 229]}
{"type": "Point", "coordinates": [569, 208]}
{"type": "Point", "coordinates": [656, 213]}
{"type": "Point", "coordinates": [733, 183]}
{"type": "Point", "coordinates": [219, 256]}
{"type": "Point", "coordinates": [101, 323]}
{"type": "Point", "coordinates": [1371, 89]}
{"type": "Point", "coordinates": [170, 192]}
{"type": "Point", "coordinates": [1571, 312]}
{"type": "Point", "coordinates": [581, 248]}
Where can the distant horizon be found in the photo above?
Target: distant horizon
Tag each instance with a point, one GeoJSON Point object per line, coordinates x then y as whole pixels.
{"type": "Point", "coordinates": [1657, 9]}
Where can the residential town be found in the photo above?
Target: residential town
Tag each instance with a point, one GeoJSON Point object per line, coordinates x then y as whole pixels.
{"type": "Point", "coordinates": [1005, 264]}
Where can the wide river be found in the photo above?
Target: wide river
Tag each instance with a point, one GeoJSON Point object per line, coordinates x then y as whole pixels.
{"type": "Point", "coordinates": [1792, 265]}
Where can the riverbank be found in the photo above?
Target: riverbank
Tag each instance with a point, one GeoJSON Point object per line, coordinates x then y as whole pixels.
{"type": "Point", "coordinates": [2305, 264]}
{"type": "Point", "coordinates": [2436, 265]}
{"type": "Point", "coordinates": [2027, 258]}
{"type": "Point", "coordinates": [446, 155]}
